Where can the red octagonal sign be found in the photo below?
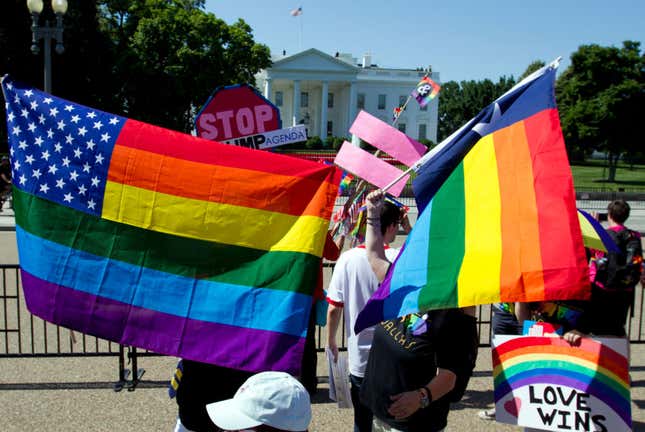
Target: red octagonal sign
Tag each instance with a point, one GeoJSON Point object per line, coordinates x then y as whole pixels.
{"type": "Point", "coordinates": [236, 111]}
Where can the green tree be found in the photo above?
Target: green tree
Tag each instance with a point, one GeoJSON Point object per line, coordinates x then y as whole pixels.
{"type": "Point", "coordinates": [458, 103]}
{"type": "Point", "coordinates": [314, 143]}
{"type": "Point", "coordinates": [173, 54]}
{"type": "Point", "coordinates": [152, 60]}
{"type": "Point", "coordinates": [81, 73]}
{"type": "Point", "coordinates": [601, 99]}
{"type": "Point", "coordinates": [536, 65]}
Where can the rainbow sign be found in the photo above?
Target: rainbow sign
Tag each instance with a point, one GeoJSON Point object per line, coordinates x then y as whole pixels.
{"type": "Point", "coordinates": [545, 383]}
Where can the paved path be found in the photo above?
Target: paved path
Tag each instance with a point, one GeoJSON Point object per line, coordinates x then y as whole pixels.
{"type": "Point", "coordinates": [76, 394]}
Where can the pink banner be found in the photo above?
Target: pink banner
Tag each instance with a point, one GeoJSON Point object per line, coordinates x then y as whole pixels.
{"type": "Point", "coordinates": [384, 137]}
{"type": "Point", "coordinates": [370, 168]}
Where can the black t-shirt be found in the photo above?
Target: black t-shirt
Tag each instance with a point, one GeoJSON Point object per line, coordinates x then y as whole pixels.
{"type": "Point", "coordinates": [202, 384]}
{"type": "Point", "coordinates": [606, 313]}
{"type": "Point", "coordinates": [399, 361]}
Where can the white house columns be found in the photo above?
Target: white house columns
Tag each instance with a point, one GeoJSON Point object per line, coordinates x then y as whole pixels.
{"type": "Point", "coordinates": [296, 102]}
{"type": "Point", "coordinates": [323, 109]}
{"type": "Point", "coordinates": [351, 111]}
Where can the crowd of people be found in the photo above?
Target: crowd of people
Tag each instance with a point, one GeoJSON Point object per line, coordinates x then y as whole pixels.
{"type": "Point", "coordinates": [406, 372]}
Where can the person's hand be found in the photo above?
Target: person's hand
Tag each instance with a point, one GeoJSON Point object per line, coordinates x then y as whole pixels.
{"type": "Point", "coordinates": [334, 349]}
{"type": "Point", "coordinates": [574, 337]}
{"type": "Point", "coordinates": [405, 224]}
{"type": "Point", "coordinates": [374, 202]}
{"type": "Point", "coordinates": [405, 404]}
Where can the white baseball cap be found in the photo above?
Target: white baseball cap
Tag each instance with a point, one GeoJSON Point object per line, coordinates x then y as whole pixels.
{"type": "Point", "coordinates": [274, 399]}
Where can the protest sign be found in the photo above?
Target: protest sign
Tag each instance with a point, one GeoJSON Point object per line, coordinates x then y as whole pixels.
{"type": "Point", "coordinates": [370, 168]}
{"type": "Point", "coordinates": [271, 139]}
{"type": "Point", "coordinates": [387, 138]}
{"type": "Point", "coordinates": [236, 111]}
{"type": "Point", "coordinates": [339, 385]}
{"type": "Point", "coordinates": [548, 384]}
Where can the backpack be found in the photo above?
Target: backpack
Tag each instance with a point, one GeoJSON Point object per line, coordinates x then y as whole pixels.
{"type": "Point", "coordinates": [618, 271]}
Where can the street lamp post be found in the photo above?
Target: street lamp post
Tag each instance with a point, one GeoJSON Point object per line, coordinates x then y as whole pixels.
{"type": "Point", "coordinates": [47, 33]}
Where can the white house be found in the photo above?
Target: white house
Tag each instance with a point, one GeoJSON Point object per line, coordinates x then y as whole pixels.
{"type": "Point", "coordinates": [326, 92]}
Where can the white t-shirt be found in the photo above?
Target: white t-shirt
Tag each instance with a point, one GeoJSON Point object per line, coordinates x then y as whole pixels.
{"type": "Point", "coordinates": [352, 284]}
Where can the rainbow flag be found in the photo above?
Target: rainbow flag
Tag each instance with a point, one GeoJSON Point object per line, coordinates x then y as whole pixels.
{"type": "Point", "coordinates": [345, 181]}
{"type": "Point", "coordinates": [546, 383]}
{"type": "Point", "coordinates": [164, 241]}
{"type": "Point", "coordinates": [594, 235]}
{"type": "Point", "coordinates": [425, 91]}
{"type": "Point", "coordinates": [498, 219]}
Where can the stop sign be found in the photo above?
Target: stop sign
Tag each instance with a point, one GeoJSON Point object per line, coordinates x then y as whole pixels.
{"type": "Point", "coordinates": [236, 111]}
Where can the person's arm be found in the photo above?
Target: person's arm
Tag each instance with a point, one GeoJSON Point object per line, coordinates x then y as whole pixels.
{"type": "Point", "coordinates": [5, 178]}
{"type": "Point", "coordinates": [373, 236]}
{"type": "Point", "coordinates": [334, 313]}
{"type": "Point", "coordinates": [407, 403]}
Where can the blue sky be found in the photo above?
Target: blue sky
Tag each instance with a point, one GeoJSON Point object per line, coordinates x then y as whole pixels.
{"type": "Point", "coordinates": [461, 39]}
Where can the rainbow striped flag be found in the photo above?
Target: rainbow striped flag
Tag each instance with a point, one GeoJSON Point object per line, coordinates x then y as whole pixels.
{"type": "Point", "coordinates": [425, 91]}
{"type": "Point", "coordinates": [164, 241]}
{"type": "Point", "coordinates": [594, 235]}
{"type": "Point", "coordinates": [498, 219]}
{"type": "Point", "coordinates": [345, 181]}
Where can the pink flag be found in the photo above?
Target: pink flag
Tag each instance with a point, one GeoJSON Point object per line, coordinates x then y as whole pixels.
{"type": "Point", "coordinates": [370, 168]}
{"type": "Point", "coordinates": [384, 137]}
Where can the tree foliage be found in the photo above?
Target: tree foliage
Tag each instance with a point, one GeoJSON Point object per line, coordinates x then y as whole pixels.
{"type": "Point", "coordinates": [458, 103]}
{"type": "Point", "coordinates": [79, 74]}
{"type": "Point", "coordinates": [601, 98]}
{"type": "Point", "coordinates": [536, 65]}
{"type": "Point", "coordinates": [152, 60]}
{"type": "Point", "coordinates": [173, 54]}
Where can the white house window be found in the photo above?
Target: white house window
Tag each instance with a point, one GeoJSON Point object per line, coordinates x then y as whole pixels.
{"type": "Point", "coordinates": [304, 99]}
{"type": "Point", "coordinates": [402, 100]}
{"type": "Point", "coordinates": [278, 98]}
{"type": "Point", "coordinates": [422, 131]}
{"type": "Point", "coordinates": [360, 101]}
{"type": "Point", "coordinates": [402, 127]}
{"type": "Point", "coordinates": [330, 128]}
{"type": "Point", "coordinates": [330, 100]}
{"type": "Point", "coordinates": [423, 108]}
{"type": "Point", "coordinates": [381, 101]}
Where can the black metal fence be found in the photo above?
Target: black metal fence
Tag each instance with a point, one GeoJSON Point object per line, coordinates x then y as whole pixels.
{"type": "Point", "coordinates": [24, 336]}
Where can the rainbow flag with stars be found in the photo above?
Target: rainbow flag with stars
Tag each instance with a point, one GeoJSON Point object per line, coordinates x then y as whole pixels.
{"type": "Point", "coordinates": [165, 241]}
{"type": "Point", "coordinates": [498, 220]}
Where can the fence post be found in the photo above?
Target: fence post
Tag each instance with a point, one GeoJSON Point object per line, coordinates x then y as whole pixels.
{"type": "Point", "coordinates": [123, 372]}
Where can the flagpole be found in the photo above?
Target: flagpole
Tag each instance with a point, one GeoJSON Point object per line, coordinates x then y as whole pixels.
{"type": "Point", "coordinates": [398, 179]}
{"type": "Point", "coordinates": [554, 64]}
{"type": "Point", "coordinates": [396, 119]}
{"type": "Point", "coordinates": [300, 16]}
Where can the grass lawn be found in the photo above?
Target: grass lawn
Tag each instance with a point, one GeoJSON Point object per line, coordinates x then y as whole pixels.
{"type": "Point", "coordinates": [592, 177]}
{"type": "Point", "coordinates": [589, 176]}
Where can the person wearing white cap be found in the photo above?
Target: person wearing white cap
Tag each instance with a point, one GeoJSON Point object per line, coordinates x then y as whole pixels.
{"type": "Point", "coordinates": [267, 401]}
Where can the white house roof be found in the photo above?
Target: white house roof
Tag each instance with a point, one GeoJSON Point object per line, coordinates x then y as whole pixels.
{"type": "Point", "coordinates": [313, 59]}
